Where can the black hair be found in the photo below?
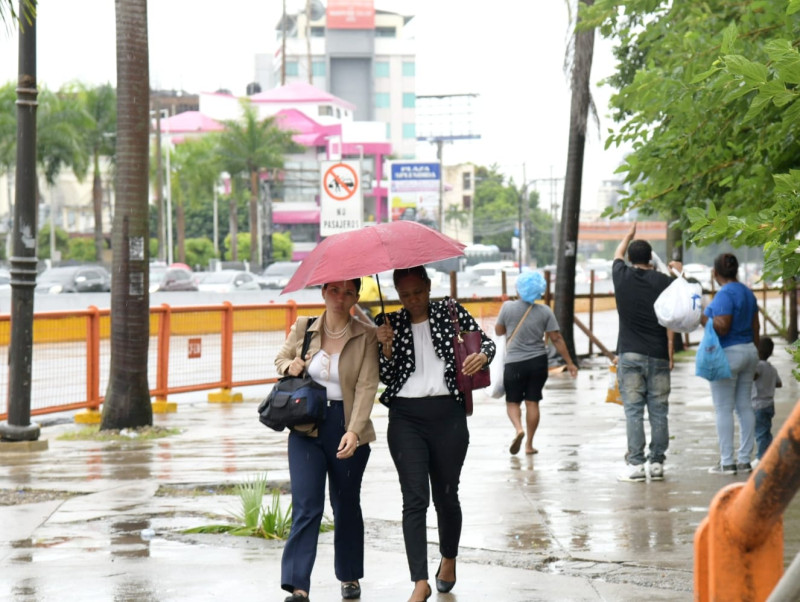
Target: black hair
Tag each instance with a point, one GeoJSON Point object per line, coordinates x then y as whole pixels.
{"type": "Point", "coordinates": [356, 283]}
{"type": "Point", "coordinates": [727, 266]}
{"type": "Point", "coordinates": [640, 251]}
{"type": "Point", "coordinates": [765, 348]}
{"type": "Point", "coordinates": [419, 271]}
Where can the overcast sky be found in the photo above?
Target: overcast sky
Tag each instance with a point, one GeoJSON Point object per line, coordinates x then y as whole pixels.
{"type": "Point", "coordinates": [511, 55]}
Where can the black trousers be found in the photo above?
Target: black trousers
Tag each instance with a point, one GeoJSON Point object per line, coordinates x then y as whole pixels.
{"type": "Point", "coordinates": [428, 440]}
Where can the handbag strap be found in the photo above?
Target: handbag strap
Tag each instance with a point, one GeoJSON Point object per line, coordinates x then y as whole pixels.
{"type": "Point", "coordinates": [454, 317]}
{"type": "Point", "coordinates": [307, 341]}
{"type": "Point", "coordinates": [525, 315]}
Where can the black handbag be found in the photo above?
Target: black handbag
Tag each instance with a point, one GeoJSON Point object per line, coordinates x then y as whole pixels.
{"type": "Point", "coordinates": [295, 400]}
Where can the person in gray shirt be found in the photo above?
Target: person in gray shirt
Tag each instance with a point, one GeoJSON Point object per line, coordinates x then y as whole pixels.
{"type": "Point", "coordinates": [765, 382]}
{"type": "Point", "coordinates": [526, 323]}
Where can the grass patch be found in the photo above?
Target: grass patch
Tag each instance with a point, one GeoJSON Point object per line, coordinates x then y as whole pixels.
{"type": "Point", "coordinates": [257, 517]}
{"type": "Point", "coordinates": [93, 433]}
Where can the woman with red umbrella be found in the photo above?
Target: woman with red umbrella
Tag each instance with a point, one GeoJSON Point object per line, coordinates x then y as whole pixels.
{"type": "Point", "coordinates": [427, 434]}
{"type": "Point", "coordinates": [341, 357]}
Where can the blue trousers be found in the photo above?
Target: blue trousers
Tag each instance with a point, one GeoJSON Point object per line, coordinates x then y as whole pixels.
{"type": "Point", "coordinates": [644, 382]}
{"type": "Point", "coordinates": [764, 418]}
{"type": "Point", "coordinates": [311, 460]}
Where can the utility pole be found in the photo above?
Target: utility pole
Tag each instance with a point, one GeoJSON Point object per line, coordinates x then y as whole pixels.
{"type": "Point", "coordinates": [23, 261]}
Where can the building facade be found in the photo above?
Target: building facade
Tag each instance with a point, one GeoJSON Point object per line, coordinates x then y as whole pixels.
{"type": "Point", "coordinates": [356, 53]}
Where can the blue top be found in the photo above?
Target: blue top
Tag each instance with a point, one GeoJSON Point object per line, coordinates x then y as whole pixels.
{"type": "Point", "coordinates": [735, 300]}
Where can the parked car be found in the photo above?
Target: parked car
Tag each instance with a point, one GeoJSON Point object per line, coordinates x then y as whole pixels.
{"type": "Point", "coordinates": [163, 278]}
{"type": "Point", "coordinates": [73, 279]}
{"type": "Point", "coordinates": [228, 281]}
{"type": "Point", "coordinates": [277, 274]}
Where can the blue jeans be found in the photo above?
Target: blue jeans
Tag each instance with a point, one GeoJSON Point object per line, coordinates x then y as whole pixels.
{"type": "Point", "coordinates": [733, 394]}
{"type": "Point", "coordinates": [312, 461]}
{"type": "Point", "coordinates": [764, 418]}
{"type": "Point", "coordinates": [644, 382]}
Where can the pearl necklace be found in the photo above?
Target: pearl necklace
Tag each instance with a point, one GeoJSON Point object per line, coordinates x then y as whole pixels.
{"type": "Point", "coordinates": [335, 335]}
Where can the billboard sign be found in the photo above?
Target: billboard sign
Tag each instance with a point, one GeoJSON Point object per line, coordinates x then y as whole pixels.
{"type": "Point", "coordinates": [414, 190]}
{"type": "Point", "coordinates": [350, 14]}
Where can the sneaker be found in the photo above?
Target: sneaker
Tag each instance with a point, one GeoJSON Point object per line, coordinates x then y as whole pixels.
{"type": "Point", "coordinates": [719, 469]}
{"type": "Point", "coordinates": [636, 475]}
{"type": "Point", "coordinates": [656, 471]}
{"type": "Point", "coordinates": [744, 467]}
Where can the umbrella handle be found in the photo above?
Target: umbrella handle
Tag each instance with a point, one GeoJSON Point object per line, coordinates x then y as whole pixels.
{"type": "Point", "coordinates": [380, 296]}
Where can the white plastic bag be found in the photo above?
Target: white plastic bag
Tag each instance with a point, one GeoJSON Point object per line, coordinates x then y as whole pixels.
{"type": "Point", "coordinates": [497, 367]}
{"type": "Point", "coordinates": [680, 306]}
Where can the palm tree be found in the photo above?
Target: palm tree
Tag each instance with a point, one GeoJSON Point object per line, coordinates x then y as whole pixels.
{"type": "Point", "coordinates": [100, 103]}
{"type": "Point", "coordinates": [7, 12]}
{"type": "Point", "coordinates": [582, 55]}
{"type": "Point", "coordinates": [127, 401]}
{"type": "Point", "coordinates": [249, 147]}
{"type": "Point", "coordinates": [196, 168]}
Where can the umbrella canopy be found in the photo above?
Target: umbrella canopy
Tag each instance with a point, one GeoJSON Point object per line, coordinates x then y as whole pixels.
{"type": "Point", "coordinates": [370, 250]}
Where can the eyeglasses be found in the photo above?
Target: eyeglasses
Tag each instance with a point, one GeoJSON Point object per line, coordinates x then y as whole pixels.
{"type": "Point", "coordinates": [326, 366]}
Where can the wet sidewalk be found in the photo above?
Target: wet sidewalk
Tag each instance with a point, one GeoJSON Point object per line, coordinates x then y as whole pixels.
{"type": "Point", "coordinates": [553, 526]}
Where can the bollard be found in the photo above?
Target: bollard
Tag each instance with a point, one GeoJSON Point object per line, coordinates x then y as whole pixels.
{"type": "Point", "coordinates": [739, 545]}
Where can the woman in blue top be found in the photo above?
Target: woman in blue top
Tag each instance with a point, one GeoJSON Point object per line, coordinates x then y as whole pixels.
{"type": "Point", "coordinates": [734, 312]}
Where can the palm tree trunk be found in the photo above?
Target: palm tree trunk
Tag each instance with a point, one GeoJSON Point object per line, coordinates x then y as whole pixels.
{"type": "Point", "coordinates": [255, 259]}
{"type": "Point", "coordinates": [571, 207]}
{"type": "Point", "coordinates": [97, 204]}
{"type": "Point", "coordinates": [127, 401]}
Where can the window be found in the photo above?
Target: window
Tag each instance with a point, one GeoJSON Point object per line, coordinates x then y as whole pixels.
{"type": "Point", "coordinates": [466, 180]}
{"type": "Point", "coordinates": [409, 130]}
{"type": "Point", "coordinates": [381, 68]}
{"type": "Point", "coordinates": [388, 131]}
{"type": "Point", "coordinates": [318, 68]}
{"type": "Point", "coordinates": [381, 100]}
{"type": "Point", "coordinates": [325, 110]}
{"type": "Point", "coordinates": [291, 68]}
{"type": "Point", "coordinates": [409, 100]}
{"type": "Point", "coordinates": [317, 32]}
{"type": "Point", "coordinates": [466, 200]}
{"type": "Point", "coordinates": [385, 32]}
{"type": "Point", "coordinates": [408, 69]}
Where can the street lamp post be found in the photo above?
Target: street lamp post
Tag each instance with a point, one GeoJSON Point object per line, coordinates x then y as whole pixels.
{"type": "Point", "coordinates": [23, 261]}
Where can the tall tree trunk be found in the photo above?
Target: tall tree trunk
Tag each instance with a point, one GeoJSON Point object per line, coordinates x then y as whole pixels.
{"type": "Point", "coordinates": [255, 259]}
{"type": "Point", "coordinates": [233, 225]}
{"type": "Point", "coordinates": [571, 207]}
{"type": "Point", "coordinates": [181, 224]}
{"type": "Point", "coordinates": [97, 205]}
{"type": "Point", "coordinates": [127, 402]}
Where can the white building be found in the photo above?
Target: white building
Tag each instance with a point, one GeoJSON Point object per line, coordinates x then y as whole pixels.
{"type": "Point", "coordinates": [356, 53]}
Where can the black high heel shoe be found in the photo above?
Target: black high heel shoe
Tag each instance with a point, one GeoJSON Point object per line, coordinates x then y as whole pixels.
{"type": "Point", "coordinates": [442, 585]}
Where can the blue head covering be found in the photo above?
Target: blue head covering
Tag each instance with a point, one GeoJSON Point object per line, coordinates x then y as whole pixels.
{"type": "Point", "coordinates": [530, 286]}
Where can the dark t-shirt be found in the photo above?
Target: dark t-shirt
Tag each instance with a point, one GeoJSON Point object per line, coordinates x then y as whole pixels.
{"type": "Point", "coordinates": [636, 291]}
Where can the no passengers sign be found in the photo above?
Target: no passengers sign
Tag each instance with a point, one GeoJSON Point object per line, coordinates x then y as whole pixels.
{"type": "Point", "coordinates": [341, 202]}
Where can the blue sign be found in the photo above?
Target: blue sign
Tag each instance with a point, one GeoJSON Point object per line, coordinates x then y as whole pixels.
{"type": "Point", "coordinates": [414, 171]}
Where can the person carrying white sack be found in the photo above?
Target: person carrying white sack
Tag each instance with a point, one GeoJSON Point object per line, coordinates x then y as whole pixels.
{"type": "Point", "coordinates": [525, 363]}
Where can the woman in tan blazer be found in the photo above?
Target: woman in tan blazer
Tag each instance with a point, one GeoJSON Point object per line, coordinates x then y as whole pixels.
{"type": "Point", "coordinates": [341, 357]}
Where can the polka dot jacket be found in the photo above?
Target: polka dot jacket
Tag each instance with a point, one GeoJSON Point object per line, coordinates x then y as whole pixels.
{"type": "Point", "coordinates": [395, 371]}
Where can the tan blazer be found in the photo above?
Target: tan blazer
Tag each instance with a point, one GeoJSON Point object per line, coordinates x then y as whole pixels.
{"type": "Point", "coordinates": [358, 371]}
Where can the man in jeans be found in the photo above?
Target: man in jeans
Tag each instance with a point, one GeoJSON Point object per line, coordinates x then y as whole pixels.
{"type": "Point", "coordinates": [644, 349]}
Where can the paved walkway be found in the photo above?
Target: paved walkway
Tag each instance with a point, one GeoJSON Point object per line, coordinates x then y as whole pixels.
{"type": "Point", "coordinates": [554, 526]}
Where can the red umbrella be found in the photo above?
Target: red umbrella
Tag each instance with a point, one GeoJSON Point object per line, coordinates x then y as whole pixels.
{"type": "Point", "coordinates": [370, 250]}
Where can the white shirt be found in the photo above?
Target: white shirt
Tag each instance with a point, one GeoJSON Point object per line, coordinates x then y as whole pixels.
{"type": "Point", "coordinates": [427, 380]}
{"type": "Point", "coordinates": [324, 369]}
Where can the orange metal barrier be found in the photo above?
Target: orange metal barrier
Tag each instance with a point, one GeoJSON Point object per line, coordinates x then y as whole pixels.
{"type": "Point", "coordinates": [192, 348]}
{"type": "Point", "coordinates": [739, 545]}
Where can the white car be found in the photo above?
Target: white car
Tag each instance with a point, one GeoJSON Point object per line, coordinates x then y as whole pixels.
{"type": "Point", "coordinates": [228, 281]}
